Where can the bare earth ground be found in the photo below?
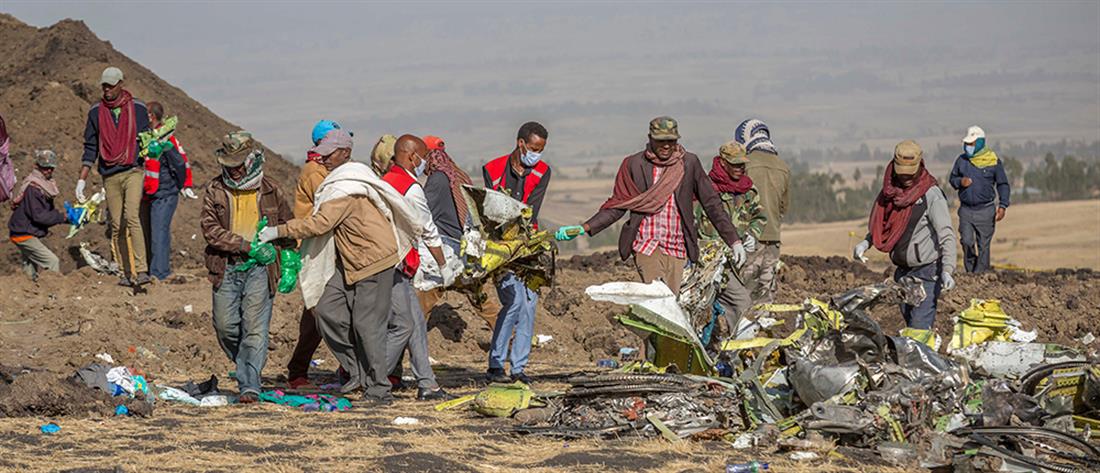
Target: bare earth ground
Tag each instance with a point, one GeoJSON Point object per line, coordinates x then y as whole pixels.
{"type": "Point", "coordinates": [58, 324]}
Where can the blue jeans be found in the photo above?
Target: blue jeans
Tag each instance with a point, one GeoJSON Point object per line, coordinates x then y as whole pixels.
{"type": "Point", "coordinates": [242, 316]}
{"type": "Point", "coordinates": [161, 209]}
{"type": "Point", "coordinates": [924, 315]}
{"type": "Point", "coordinates": [517, 313]}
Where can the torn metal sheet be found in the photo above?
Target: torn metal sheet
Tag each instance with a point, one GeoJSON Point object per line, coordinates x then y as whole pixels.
{"type": "Point", "coordinates": [1013, 359]}
{"type": "Point", "coordinates": [815, 383]}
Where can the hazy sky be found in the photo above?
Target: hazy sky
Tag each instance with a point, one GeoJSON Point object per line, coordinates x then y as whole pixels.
{"type": "Point", "coordinates": [820, 74]}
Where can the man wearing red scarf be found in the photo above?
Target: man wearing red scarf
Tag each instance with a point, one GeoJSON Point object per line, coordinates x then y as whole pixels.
{"type": "Point", "coordinates": [909, 221]}
{"type": "Point", "coordinates": [111, 144]}
{"type": "Point", "coordinates": [742, 202]}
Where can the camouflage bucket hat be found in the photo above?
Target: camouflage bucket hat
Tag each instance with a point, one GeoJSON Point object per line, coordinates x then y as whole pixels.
{"type": "Point", "coordinates": [235, 148]}
{"type": "Point", "coordinates": [733, 153]}
{"type": "Point", "coordinates": [45, 158]}
{"type": "Point", "coordinates": [663, 128]}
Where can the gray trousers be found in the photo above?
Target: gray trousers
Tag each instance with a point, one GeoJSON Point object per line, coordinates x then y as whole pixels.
{"type": "Point", "coordinates": [407, 328]}
{"type": "Point", "coordinates": [735, 300]}
{"type": "Point", "coordinates": [976, 225]}
{"type": "Point", "coordinates": [760, 270]}
{"type": "Point", "coordinates": [37, 257]}
{"type": "Point", "coordinates": [352, 320]}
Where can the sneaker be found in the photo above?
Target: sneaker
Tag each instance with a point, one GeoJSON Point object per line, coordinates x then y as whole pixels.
{"type": "Point", "coordinates": [496, 375]}
{"type": "Point", "coordinates": [301, 383]}
{"type": "Point", "coordinates": [438, 394]}
{"type": "Point", "coordinates": [142, 279]}
{"type": "Point", "coordinates": [523, 378]}
{"type": "Point", "coordinates": [124, 281]}
{"type": "Point", "coordinates": [248, 398]}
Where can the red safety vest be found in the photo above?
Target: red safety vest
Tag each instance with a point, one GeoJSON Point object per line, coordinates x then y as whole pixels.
{"type": "Point", "coordinates": [497, 167]}
{"type": "Point", "coordinates": [152, 170]}
{"type": "Point", "coordinates": [402, 182]}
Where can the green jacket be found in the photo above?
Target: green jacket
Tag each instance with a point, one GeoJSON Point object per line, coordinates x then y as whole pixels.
{"type": "Point", "coordinates": [771, 176]}
{"type": "Point", "coordinates": [745, 212]}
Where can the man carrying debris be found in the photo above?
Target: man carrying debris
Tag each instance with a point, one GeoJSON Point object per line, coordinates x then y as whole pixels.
{"type": "Point", "coordinates": [34, 213]}
{"type": "Point", "coordinates": [983, 188]}
{"type": "Point", "coordinates": [523, 175]}
{"type": "Point", "coordinates": [111, 143]}
{"type": "Point", "coordinates": [658, 186]}
{"type": "Point", "coordinates": [772, 178]}
{"type": "Point", "coordinates": [742, 202]}
{"type": "Point", "coordinates": [233, 205]}
{"type": "Point", "coordinates": [910, 222]}
{"type": "Point", "coordinates": [407, 327]}
{"type": "Point", "coordinates": [358, 227]}
{"type": "Point", "coordinates": [166, 177]}
{"type": "Point", "coordinates": [313, 172]}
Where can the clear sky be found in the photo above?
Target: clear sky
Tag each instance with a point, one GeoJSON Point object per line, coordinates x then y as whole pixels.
{"type": "Point", "coordinates": [820, 74]}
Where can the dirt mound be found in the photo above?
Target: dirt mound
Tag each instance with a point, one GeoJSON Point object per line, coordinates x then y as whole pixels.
{"type": "Point", "coordinates": [48, 81]}
{"type": "Point", "coordinates": [45, 394]}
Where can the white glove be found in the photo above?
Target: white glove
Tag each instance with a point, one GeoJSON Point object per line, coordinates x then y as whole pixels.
{"type": "Point", "coordinates": [268, 234]}
{"type": "Point", "coordinates": [80, 191]}
{"type": "Point", "coordinates": [738, 254]}
{"type": "Point", "coordinates": [187, 192]}
{"type": "Point", "coordinates": [861, 248]}
{"type": "Point", "coordinates": [948, 281]}
{"type": "Point", "coordinates": [448, 275]}
{"type": "Point", "coordinates": [750, 243]}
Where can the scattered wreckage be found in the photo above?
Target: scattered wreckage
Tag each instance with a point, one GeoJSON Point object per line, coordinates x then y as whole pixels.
{"type": "Point", "coordinates": [835, 382]}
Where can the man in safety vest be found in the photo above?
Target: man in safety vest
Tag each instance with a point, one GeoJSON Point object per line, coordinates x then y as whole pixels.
{"type": "Point", "coordinates": [167, 177]}
{"type": "Point", "coordinates": [407, 327]}
{"type": "Point", "coordinates": [523, 175]}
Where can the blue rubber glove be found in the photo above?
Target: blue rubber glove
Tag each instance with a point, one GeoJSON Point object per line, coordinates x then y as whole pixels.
{"type": "Point", "coordinates": [568, 232]}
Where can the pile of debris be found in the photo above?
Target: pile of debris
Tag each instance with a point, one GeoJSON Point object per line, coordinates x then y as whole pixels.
{"type": "Point", "coordinates": [992, 399]}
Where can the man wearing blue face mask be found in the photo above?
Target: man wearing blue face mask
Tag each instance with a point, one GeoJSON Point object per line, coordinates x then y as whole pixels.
{"type": "Point", "coordinates": [983, 188]}
{"type": "Point", "coordinates": [523, 175]}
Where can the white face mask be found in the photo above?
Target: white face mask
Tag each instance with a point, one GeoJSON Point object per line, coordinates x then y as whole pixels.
{"type": "Point", "coordinates": [419, 171]}
{"type": "Point", "coordinates": [530, 158]}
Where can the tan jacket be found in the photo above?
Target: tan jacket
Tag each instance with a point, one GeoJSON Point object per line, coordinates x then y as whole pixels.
{"type": "Point", "coordinates": [311, 177]}
{"type": "Point", "coordinates": [363, 237]}
{"type": "Point", "coordinates": [772, 178]}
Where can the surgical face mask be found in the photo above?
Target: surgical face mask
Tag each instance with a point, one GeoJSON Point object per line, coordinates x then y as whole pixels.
{"type": "Point", "coordinates": [419, 171]}
{"type": "Point", "coordinates": [969, 149]}
{"type": "Point", "coordinates": [530, 158]}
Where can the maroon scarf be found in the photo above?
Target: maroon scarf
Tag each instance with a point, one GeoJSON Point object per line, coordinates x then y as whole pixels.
{"type": "Point", "coordinates": [440, 161]}
{"type": "Point", "coordinates": [724, 183]}
{"type": "Point", "coordinates": [893, 207]}
{"type": "Point", "coordinates": [626, 195]}
{"type": "Point", "coordinates": [116, 142]}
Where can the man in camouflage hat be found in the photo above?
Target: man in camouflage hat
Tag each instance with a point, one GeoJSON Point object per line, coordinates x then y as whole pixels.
{"type": "Point", "coordinates": [742, 201]}
{"type": "Point", "coordinates": [33, 215]}
{"type": "Point", "coordinates": [234, 203]}
{"type": "Point", "coordinates": [658, 186]}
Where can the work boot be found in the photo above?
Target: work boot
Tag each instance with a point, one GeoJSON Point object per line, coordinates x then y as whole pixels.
{"type": "Point", "coordinates": [437, 394]}
{"type": "Point", "coordinates": [125, 281]}
{"type": "Point", "coordinates": [142, 279]}
{"type": "Point", "coordinates": [496, 375]}
{"type": "Point", "coordinates": [521, 377]}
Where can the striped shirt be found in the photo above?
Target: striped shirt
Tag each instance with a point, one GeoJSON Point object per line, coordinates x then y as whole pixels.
{"type": "Point", "coordinates": [662, 230]}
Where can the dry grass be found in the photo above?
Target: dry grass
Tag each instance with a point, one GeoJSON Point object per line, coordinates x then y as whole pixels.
{"type": "Point", "coordinates": [278, 439]}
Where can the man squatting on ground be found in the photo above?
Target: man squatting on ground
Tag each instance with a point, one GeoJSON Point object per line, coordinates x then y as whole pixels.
{"type": "Point", "coordinates": [33, 213]}
{"type": "Point", "coordinates": [909, 221]}
{"type": "Point", "coordinates": [233, 205]}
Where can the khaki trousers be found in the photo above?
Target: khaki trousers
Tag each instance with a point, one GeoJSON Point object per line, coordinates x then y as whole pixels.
{"type": "Point", "coordinates": [37, 257]}
{"type": "Point", "coordinates": [658, 265]}
{"type": "Point", "coordinates": [124, 204]}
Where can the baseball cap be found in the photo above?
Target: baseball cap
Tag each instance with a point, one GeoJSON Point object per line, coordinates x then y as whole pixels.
{"type": "Point", "coordinates": [733, 153]}
{"type": "Point", "coordinates": [111, 76]}
{"type": "Point", "coordinates": [322, 128]}
{"type": "Point", "coordinates": [335, 139]}
{"type": "Point", "coordinates": [45, 158]}
{"type": "Point", "coordinates": [434, 142]}
{"type": "Point", "coordinates": [663, 128]}
{"type": "Point", "coordinates": [907, 157]}
{"type": "Point", "coordinates": [973, 133]}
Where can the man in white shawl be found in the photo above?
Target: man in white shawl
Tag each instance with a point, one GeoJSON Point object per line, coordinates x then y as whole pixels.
{"type": "Point", "coordinates": [351, 245]}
